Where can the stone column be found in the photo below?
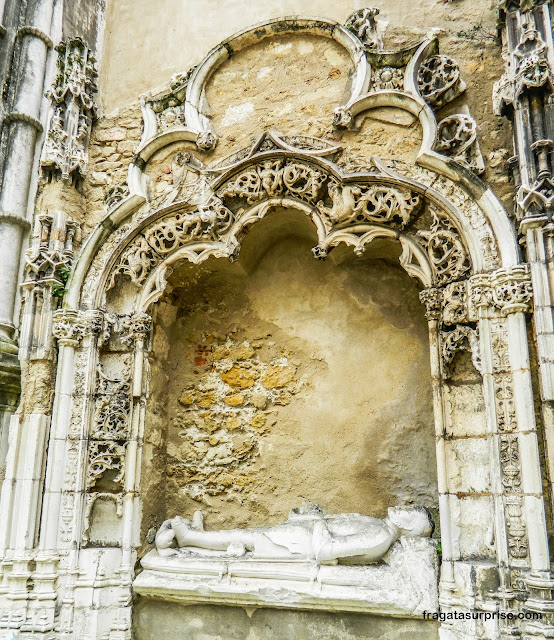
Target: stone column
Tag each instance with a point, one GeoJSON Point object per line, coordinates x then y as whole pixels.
{"type": "Point", "coordinates": [23, 129]}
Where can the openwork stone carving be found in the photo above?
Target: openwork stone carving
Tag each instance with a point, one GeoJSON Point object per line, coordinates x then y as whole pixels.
{"type": "Point", "coordinates": [344, 211]}
{"type": "Point", "coordinates": [456, 303]}
{"type": "Point", "coordinates": [273, 178]}
{"type": "Point", "coordinates": [432, 299]}
{"type": "Point", "coordinates": [105, 456]}
{"type": "Point", "coordinates": [439, 80]}
{"type": "Point", "coordinates": [366, 27]}
{"type": "Point", "coordinates": [71, 112]}
{"type": "Point", "coordinates": [374, 203]}
{"type": "Point", "coordinates": [462, 338]}
{"type": "Point", "coordinates": [457, 138]}
{"type": "Point", "coordinates": [447, 253]}
{"type": "Point", "coordinates": [110, 432]}
{"type": "Point", "coordinates": [169, 234]}
{"type": "Point", "coordinates": [112, 407]}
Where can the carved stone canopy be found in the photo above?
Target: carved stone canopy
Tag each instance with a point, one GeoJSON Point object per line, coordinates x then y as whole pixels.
{"type": "Point", "coordinates": [351, 210]}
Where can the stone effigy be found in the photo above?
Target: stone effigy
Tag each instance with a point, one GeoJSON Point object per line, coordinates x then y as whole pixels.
{"type": "Point", "coordinates": [348, 562]}
{"type": "Point", "coordinates": [348, 538]}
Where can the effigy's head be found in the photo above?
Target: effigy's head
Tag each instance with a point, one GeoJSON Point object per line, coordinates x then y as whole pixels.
{"type": "Point", "coordinates": [412, 521]}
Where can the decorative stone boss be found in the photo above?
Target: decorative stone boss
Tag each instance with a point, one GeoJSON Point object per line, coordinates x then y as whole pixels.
{"type": "Point", "coordinates": [308, 534]}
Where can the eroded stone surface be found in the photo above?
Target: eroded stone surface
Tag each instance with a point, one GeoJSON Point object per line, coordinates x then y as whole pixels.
{"type": "Point", "coordinates": [231, 623]}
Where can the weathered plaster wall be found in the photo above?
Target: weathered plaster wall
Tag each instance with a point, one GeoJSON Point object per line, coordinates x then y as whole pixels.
{"type": "Point", "coordinates": [289, 83]}
{"type": "Point", "coordinates": [202, 622]}
{"type": "Point", "coordinates": [84, 19]}
{"type": "Point", "coordinates": [281, 379]}
{"type": "Point", "coordinates": [178, 36]}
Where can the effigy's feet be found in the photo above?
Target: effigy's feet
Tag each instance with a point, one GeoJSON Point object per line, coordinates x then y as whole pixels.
{"type": "Point", "coordinates": [198, 521]}
{"type": "Point", "coordinates": [182, 526]}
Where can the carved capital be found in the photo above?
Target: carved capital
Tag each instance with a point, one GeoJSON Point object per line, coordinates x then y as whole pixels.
{"type": "Point", "coordinates": [135, 327]}
{"type": "Point", "coordinates": [481, 290]}
{"type": "Point", "coordinates": [68, 327]}
{"type": "Point", "coordinates": [432, 299]}
{"type": "Point", "coordinates": [513, 291]}
{"type": "Point", "coordinates": [508, 290]}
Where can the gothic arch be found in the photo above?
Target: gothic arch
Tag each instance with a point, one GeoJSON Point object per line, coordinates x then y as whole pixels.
{"type": "Point", "coordinates": [448, 246]}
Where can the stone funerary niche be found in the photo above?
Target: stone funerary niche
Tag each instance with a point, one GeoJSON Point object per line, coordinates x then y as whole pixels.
{"type": "Point", "coordinates": [279, 379]}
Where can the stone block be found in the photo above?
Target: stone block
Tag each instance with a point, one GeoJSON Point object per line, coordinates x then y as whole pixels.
{"type": "Point", "coordinates": [465, 414]}
{"type": "Point", "coordinates": [154, 619]}
{"type": "Point", "coordinates": [473, 526]}
{"type": "Point", "coordinates": [111, 135]}
{"type": "Point", "coordinates": [468, 465]}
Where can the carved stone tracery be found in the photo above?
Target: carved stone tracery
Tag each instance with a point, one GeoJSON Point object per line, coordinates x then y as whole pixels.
{"type": "Point", "coordinates": [461, 338]}
{"type": "Point", "coordinates": [360, 203]}
{"type": "Point", "coordinates": [71, 111]}
{"type": "Point", "coordinates": [344, 211]}
{"type": "Point", "coordinates": [446, 250]}
{"type": "Point", "coordinates": [457, 138]}
{"type": "Point", "coordinates": [439, 80]}
{"type": "Point", "coordinates": [272, 178]}
{"type": "Point", "coordinates": [112, 407]}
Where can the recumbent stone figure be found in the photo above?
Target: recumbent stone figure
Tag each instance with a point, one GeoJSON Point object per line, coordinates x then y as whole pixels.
{"type": "Point", "coordinates": [308, 534]}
